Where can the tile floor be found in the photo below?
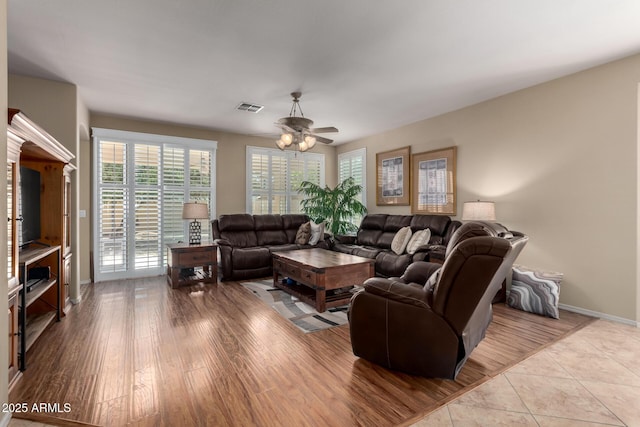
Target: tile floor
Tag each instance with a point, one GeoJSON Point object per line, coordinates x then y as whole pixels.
{"type": "Point", "coordinates": [591, 378]}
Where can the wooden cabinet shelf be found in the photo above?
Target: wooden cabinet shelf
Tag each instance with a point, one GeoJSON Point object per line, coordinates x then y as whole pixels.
{"type": "Point", "coordinates": [40, 301]}
{"type": "Point", "coordinates": [38, 289]}
{"type": "Point", "coordinates": [36, 324]}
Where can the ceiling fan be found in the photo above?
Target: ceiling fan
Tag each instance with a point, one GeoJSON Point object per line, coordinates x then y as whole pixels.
{"type": "Point", "coordinates": [297, 130]}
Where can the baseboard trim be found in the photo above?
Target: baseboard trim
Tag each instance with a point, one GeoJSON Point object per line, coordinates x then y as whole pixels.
{"type": "Point", "coordinates": [85, 282]}
{"type": "Point", "coordinates": [75, 301]}
{"type": "Point", "coordinates": [599, 315]}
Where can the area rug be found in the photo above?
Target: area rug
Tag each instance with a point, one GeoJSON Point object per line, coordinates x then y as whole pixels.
{"type": "Point", "coordinates": [305, 317]}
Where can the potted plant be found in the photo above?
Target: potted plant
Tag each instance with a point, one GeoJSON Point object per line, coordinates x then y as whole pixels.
{"type": "Point", "coordinates": [336, 206]}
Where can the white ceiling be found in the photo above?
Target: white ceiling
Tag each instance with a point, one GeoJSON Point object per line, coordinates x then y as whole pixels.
{"type": "Point", "coordinates": [363, 66]}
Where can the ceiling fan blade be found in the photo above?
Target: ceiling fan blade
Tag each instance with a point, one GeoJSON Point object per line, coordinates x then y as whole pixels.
{"type": "Point", "coordinates": [323, 139]}
{"type": "Point", "coordinates": [285, 128]}
{"type": "Point", "coordinates": [324, 130]}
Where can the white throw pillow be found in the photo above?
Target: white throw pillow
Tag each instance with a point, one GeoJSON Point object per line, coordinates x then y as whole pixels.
{"type": "Point", "coordinates": [317, 232]}
{"type": "Point", "coordinates": [419, 238]}
{"type": "Point", "coordinates": [400, 240]}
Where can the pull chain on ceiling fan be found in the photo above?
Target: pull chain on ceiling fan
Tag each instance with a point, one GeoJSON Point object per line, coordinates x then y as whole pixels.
{"type": "Point", "coordinates": [297, 131]}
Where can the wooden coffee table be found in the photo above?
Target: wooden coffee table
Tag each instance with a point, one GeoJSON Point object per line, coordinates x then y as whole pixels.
{"type": "Point", "coordinates": [323, 277]}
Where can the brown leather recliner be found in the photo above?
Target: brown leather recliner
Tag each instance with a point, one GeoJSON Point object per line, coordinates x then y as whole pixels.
{"type": "Point", "coordinates": [430, 329]}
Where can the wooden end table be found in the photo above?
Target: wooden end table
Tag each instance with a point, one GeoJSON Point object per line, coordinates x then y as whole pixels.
{"type": "Point", "coordinates": [183, 256]}
{"type": "Point", "coordinates": [321, 275]}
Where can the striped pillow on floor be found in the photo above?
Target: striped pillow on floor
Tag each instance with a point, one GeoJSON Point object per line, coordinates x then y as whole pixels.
{"type": "Point", "coordinates": [535, 291]}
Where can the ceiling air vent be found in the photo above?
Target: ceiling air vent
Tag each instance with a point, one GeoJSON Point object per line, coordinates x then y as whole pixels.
{"type": "Point", "coordinates": [251, 108]}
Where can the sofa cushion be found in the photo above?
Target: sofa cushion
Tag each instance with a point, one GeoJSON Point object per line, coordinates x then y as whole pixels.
{"type": "Point", "coordinates": [390, 264]}
{"type": "Point", "coordinates": [343, 247]}
{"type": "Point", "coordinates": [400, 240]}
{"type": "Point", "coordinates": [419, 238]}
{"type": "Point", "coordinates": [240, 239]}
{"type": "Point", "coordinates": [535, 291]}
{"type": "Point", "coordinates": [396, 222]}
{"type": "Point", "coordinates": [366, 251]}
{"type": "Point", "coordinates": [370, 237]}
{"type": "Point", "coordinates": [385, 239]}
{"type": "Point", "coordinates": [436, 223]}
{"type": "Point", "coordinates": [250, 258]}
{"type": "Point", "coordinates": [304, 234]}
{"type": "Point", "coordinates": [291, 223]}
{"type": "Point", "coordinates": [271, 237]}
{"type": "Point", "coordinates": [235, 222]}
{"type": "Point", "coordinates": [374, 221]}
{"type": "Point", "coordinates": [267, 222]}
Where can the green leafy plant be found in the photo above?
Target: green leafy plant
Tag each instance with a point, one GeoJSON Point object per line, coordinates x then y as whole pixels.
{"type": "Point", "coordinates": [337, 206]}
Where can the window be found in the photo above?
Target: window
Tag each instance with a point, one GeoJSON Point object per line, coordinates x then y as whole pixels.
{"type": "Point", "coordinates": [354, 164]}
{"type": "Point", "coordinates": [141, 182]}
{"type": "Point", "coordinates": [274, 176]}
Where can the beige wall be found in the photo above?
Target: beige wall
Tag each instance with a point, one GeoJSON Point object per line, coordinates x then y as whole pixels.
{"type": "Point", "coordinates": [4, 326]}
{"type": "Point", "coordinates": [560, 161]}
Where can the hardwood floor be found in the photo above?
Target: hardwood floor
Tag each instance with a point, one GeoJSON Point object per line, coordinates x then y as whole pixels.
{"type": "Point", "coordinates": [138, 353]}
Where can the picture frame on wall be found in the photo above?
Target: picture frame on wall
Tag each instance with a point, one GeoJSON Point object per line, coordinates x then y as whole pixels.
{"type": "Point", "coordinates": [434, 182]}
{"type": "Point", "coordinates": [393, 177]}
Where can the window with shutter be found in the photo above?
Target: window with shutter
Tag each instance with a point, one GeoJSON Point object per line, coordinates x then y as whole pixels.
{"type": "Point", "coordinates": [142, 181]}
{"type": "Point", "coordinates": [274, 176]}
{"type": "Point", "coordinates": [354, 164]}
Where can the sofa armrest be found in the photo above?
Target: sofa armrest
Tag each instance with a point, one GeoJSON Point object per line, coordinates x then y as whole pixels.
{"type": "Point", "coordinates": [222, 242]}
{"type": "Point", "coordinates": [397, 291]}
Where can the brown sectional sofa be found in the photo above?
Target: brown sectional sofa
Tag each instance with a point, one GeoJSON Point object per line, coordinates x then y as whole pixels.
{"type": "Point", "coordinates": [376, 233]}
{"type": "Point", "coordinates": [247, 241]}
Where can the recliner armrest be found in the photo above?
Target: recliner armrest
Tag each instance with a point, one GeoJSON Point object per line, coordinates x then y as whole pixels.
{"type": "Point", "coordinates": [397, 291]}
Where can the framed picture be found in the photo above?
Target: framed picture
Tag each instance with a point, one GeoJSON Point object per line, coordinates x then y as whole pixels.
{"type": "Point", "coordinates": [392, 177]}
{"type": "Point", "coordinates": [434, 182]}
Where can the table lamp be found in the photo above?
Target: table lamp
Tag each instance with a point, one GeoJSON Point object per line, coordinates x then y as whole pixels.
{"type": "Point", "coordinates": [479, 211]}
{"type": "Point", "coordinates": [195, 211]}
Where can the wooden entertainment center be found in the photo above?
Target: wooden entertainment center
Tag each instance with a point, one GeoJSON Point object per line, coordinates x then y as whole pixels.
{"type": "Point", "coordinates": [35, 302]}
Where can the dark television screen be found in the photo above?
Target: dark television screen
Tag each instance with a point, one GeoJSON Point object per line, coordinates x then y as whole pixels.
{"type": "Point", "coordinates": [30, 200]}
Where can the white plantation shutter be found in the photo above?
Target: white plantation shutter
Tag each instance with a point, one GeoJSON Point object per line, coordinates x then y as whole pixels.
{"type": "Point", "coordinates": [173, 177]}
{"type": "Point", "coordinates": [354, 164]}
{"type": "Point", "coordinates": [142, 182]}
{"type": "Point", "coordinates": [274, 177]}
{"type": "Point", "coordinates": [146, 207]}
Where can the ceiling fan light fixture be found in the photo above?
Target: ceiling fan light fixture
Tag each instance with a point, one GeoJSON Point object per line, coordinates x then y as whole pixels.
{"type": "Point", "coordinates": [310, 140]}
{"type": "Point", "coordinates": [286, 138]}
{"type": "Point", "coordinates": [298, 130]}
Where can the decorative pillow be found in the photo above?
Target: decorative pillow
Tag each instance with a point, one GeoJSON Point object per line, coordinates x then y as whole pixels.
{"type": "Point", "coordinates": [419, 238]}
{"type": "Point", "coordinates": [400, 240]}
{"type": "Point", "coordinates": [304, 234]}
{"type": "Point", "coordinates": [535, 291]}
{"type": "Point", "coordinates": [317, 231]}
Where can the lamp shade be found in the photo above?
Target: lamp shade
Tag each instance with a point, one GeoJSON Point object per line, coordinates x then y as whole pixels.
{"type": "Point", "coordinates": [195, 211]}
{"type": "Point", "coordinates": [479, 211]}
